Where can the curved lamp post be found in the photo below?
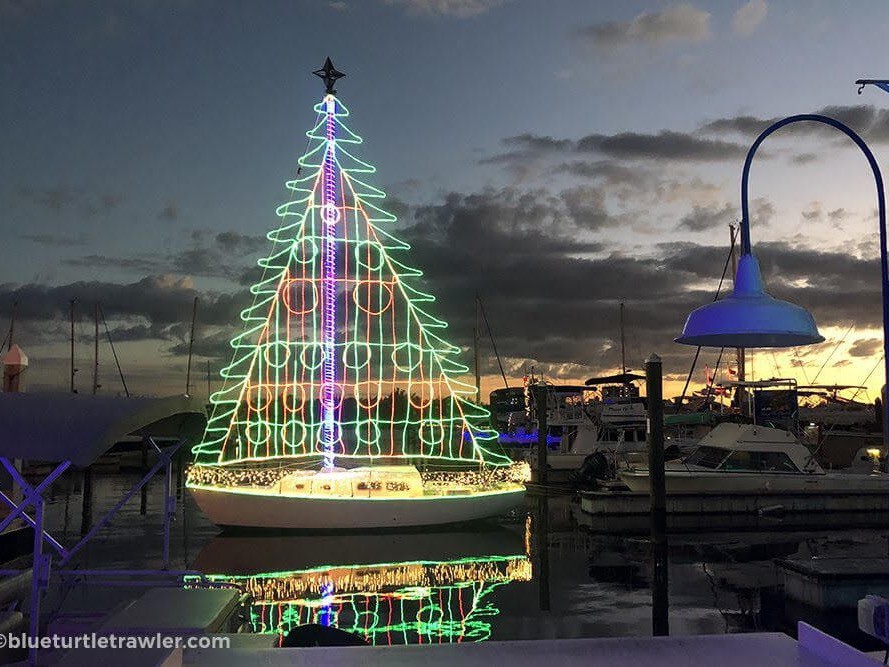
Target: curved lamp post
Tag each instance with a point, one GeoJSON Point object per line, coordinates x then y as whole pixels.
{"type": "Point", "coordinates": [750, 317]}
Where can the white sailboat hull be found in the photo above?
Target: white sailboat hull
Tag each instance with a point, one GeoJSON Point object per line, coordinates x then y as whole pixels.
{"type": "Point", "coordinates": [257, 509]}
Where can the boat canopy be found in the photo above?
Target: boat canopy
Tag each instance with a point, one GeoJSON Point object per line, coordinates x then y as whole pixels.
{"type": "Point", "coordinates": [706, 418]}
{"type": "Point", "coordinates": [56, 427]}
{"type": "Point", "coordinates": [620, 378]}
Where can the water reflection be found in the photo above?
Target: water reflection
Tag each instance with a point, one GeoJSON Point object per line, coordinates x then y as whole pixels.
{"type": "Point", "coordinates": [412, 588]}
{"type": "Point", "coordinates": [723, 576]}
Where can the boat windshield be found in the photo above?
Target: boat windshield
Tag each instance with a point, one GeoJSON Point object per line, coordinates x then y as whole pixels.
{"type": "Point", "coordinates": [759, 461]}
{"type": "Point", "coordinates": [707, 457]}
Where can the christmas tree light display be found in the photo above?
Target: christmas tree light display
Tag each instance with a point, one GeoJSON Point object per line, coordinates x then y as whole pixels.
{"type": "Point", "coordinates": [341, 362]}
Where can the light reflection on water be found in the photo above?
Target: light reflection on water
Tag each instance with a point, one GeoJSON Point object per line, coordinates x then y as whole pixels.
{"type": "Point", "coordinates": [410, 588]}
{"type": "Point", "coordinates": [468, 584]}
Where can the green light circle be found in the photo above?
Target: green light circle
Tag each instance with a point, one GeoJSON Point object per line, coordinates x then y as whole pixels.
{"type": "Point", "coordinates": [368, 433]}
{"type": "Point", "coordinates": [277, 354]}
{"type": "Point", "coordinates": [305, 252]}
{"type": "Point", "coordinates": [312, 355]}
{"type": "Point", "coordinates": [431, 432]}
{"type": "Point", "coordinates": [319, 435]}
{"type": "Point", "coordinates": [407, 357]}
{"type": "Point", "coordinates": [430, 611]}
{"type": "Point", "coordinates": [356, 355]}
{"type": "Point", "coordinates": [293, 433]}
{"type": "Point", "coordinates": [369, 255]}
{"type": "Point", "coordinates": [258, 432]}
{"type": "Point", "coordinates": [371, 615]}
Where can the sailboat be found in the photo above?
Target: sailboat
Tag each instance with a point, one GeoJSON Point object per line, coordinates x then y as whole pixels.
{"type": "Point", "coordinates": [343, 405]}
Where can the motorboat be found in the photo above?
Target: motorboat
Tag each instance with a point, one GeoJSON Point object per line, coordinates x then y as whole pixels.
{"type": "Point", "coordinates": [748, 458]}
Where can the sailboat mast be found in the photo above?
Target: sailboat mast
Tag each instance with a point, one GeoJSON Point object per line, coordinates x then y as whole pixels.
{"type": "Point", "coordinates": [96, 352]}
{"type": "Point", "coordinates": [194, 314]}
{"type": "Point", "coordinates": [623, 349]}
{"type": "Point", "coordinates": [475, 336]}
{"type": "Point", "coordinates": [330, 216]}
{"type": "Point", "coordinates": [73, 370]}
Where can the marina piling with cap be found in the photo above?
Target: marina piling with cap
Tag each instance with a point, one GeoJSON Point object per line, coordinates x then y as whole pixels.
{"type": "Point", "coordinates": [660, 622]}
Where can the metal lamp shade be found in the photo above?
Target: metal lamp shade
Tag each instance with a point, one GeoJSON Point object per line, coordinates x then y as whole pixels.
{"type": "Point", "coordinates": [749, 317]}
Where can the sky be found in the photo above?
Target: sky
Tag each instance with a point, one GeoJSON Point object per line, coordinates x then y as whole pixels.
{"type": "Point", "coordinates": [558, 158]}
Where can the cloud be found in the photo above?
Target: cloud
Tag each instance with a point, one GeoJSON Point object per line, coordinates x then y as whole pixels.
{"type": "Point", "coordinates": [455, 8]}
{"type": "Point", "coordinates": [231, 243]}
{"type": "Point", "coordinates": [170, 212]}
{"type": "Point", "coordinates": [865, 347]}
{"type": "Point", "coordinates": [550, 286]}
{"type": "Point", "coordinates": [804, 158]}
{"type": "Point", "coordinates": [55, 239]}
{"type": "Point", "coordinates": [678, 23]}
{"type": "Point", "coordinates": [528, 149]}
{"type": "Point", "coordinates": [837, 215]}
{"type": "Point", "coordinates": [135, 264]}
{"type": "Point", "coordinates": [813, 211]}
{"type": "Point", "coordinates": [338, 5]}
{"type": "Point", "coordinates": [610, 172]}
{"type": "Point", "coordinates": [586, 206]}
{"type": "Point", "coordinates": [219, 255]}
{"type": "Point", "coordinates": [55, 199]}
{"type": "Point", "coordinates": [18, 8]}
{"type": "Point", "coordinates": [763, 211]}
{"type": "Point", "coordinates": [665, 145]}
{"type": "Point", "coordinates": [69, 198]}
{"type": "Point", "coordinates": [869, 121]}
{"type": "Point", "coordinates": [703, 218]}
{"type": "Point", "coordinates": [749, 17]}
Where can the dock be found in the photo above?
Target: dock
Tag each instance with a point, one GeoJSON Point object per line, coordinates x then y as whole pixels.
{"type": "Point", "coordinates": [812, 649]}
{"type": "Point", "coordinates": [628, 503]}
{"type": "Point", "coordinates": [834, 583]}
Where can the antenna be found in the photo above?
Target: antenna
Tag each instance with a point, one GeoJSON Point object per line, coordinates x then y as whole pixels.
{"type": "Point", "coordinates": [623, 350]}
{"type": "Point", "coordinates": [11, 327]}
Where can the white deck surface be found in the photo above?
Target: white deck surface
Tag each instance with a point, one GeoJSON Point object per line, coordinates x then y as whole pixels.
{"type": "Point", "coordinates": [814, 649]}
{"type": "Point", "coordinates": [741, 650]}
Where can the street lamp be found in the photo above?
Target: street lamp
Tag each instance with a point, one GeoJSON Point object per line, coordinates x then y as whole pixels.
{"type": "Point", "coordinates": [749, 317]}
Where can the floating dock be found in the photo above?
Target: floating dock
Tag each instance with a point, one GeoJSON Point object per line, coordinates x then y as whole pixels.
{"type": "Point", "coordinates": [628, 503]}
{"type": "Point", "coordinates": [834, 583]}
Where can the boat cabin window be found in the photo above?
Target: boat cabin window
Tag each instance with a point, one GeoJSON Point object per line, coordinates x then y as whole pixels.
{"type": "Point", "coordinates": [707, 457]}
{"type": "Point", "coordinates": [759, 462]}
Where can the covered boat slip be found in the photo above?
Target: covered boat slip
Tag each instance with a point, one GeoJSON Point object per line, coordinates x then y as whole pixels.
{"type": "Point", "coordinates": [68, 430]}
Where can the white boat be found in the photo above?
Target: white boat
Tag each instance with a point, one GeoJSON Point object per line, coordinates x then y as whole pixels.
{"type": "Point", "coordinates": [343, 406]}
{"type": "Point", "coordinates": [746, 458]}
{"type": "Point", "coordinates": [360, 498]}
{"type": "Point", "coordinates": [583, 420]}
